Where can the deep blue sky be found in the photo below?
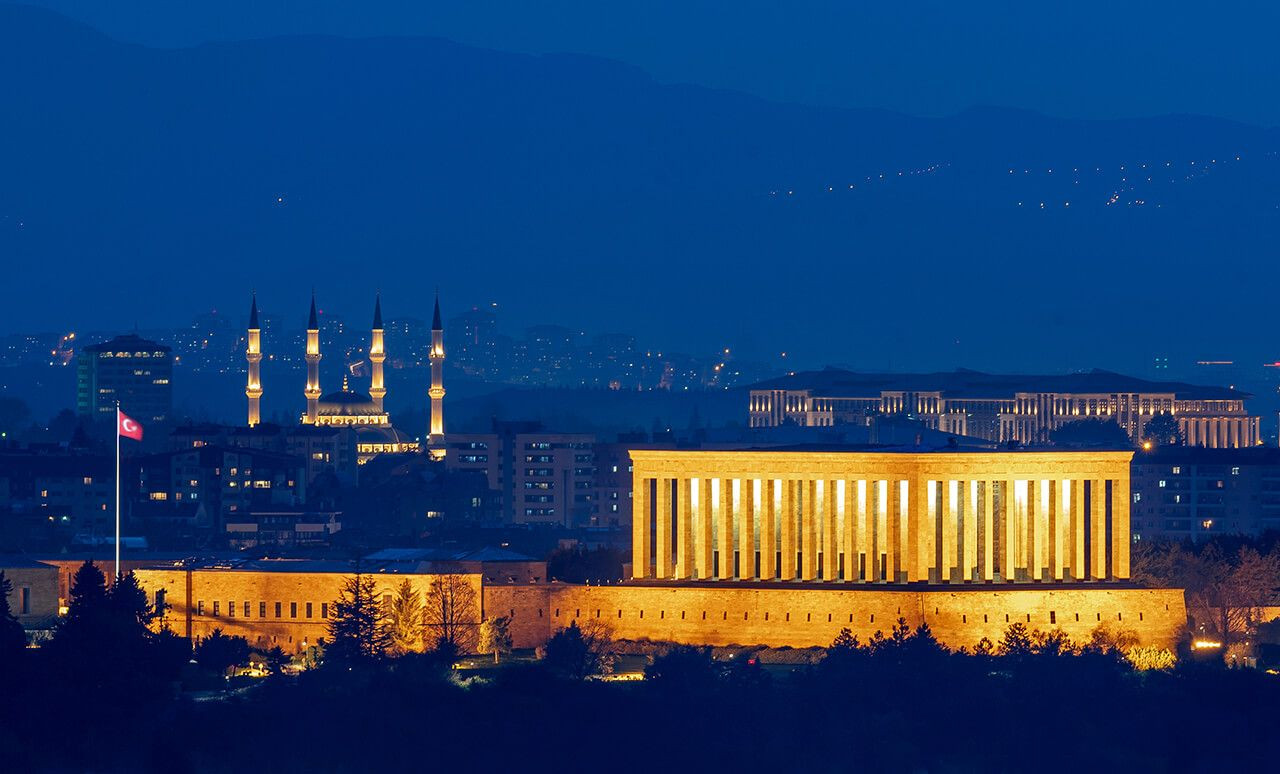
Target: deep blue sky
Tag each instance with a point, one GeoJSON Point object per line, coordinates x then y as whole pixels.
{"type": "Point", "coordinates": [1081, 59]}
{"type": "Point", "coordinates": [146, 184]}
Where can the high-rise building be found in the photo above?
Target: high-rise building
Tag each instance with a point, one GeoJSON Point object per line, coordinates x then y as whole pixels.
{"type": "Point", "coordinates": [131, 370]}
{"type": "Point", "coordinates": [542, 477]}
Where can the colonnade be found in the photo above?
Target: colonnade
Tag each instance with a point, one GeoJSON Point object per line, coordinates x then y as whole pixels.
{"type": "Point", "coordinates": [1220, 432]}
{"type": "Point", "coordinates": [881, 517]}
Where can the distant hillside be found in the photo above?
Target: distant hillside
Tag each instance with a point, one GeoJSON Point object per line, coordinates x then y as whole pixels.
{"type": "Point", "coordinates": [144, 183]}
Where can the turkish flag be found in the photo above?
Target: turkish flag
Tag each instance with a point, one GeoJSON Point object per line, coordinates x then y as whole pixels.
{"type": "Point", "coordinates": [129, 428]}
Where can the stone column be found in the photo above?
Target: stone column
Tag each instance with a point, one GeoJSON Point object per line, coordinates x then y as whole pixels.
{"type": "Point", "coordinates": [768, 545]}
{"type": "Point", "coordinates": [971, 543]}
{"type": "Point", "coordinates": [951, 535]}
{"type": "Point", "coordinates": [917, 524]}
{"type": "Point", "coordinates": [639, 526]}
{"type": "Point", "coordinates": [809, 531]}
{"type": "Point", "coordinates": [1009, 532]}
{"type": "Point", "coordinates": [724, 528]}
{"type": "Point", "coordinates": [931, 521]}
{"type": "Point", "coordinates": [867, 530]}
{"type": "Point", "coordinates": [662, 532]}
{"type": "Point", "coordinates": [987, 536]}
{"type": "Point", "coordinates": [1078, 559]}
{"type": "Point", "coordinates": [787, 531]}
{"type": "Point", "coordinates": [830, 546]}
{"type": "Point", "coordinates": [747, 529]}
{"type": "Point", "coordinates": [851, 537]}
{"type": "Point", "coordinates": [1054, 547]}
{"type": "Point", "coordinates": [1035, 530]}
{"type": "Point", "coordinates": [684, 529]}
{"type": "Point", "coordinates": [702, 531]}
{"type": "Point", "coordinates": [897, 559]}
{"type": "Point", "coordinates": [1098, 529]}
{"type": "Point", "coordinates": [1120, 534]}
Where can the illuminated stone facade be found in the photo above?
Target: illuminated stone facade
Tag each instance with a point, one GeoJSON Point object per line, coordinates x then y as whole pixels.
{"type": "Point", "coordinates": [881, 517]}
{"type": "Point", "coordinates": [786, 548]}
{"type": "Point", "coordinates": [1025, 409]}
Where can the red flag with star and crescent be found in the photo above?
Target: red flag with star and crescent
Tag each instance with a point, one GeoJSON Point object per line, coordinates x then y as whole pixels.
{"type": "Point", "coordinates": [128, 428]}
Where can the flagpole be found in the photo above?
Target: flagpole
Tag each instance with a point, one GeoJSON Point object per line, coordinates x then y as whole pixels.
{"type": "Point", "coordinates": [117, 575]}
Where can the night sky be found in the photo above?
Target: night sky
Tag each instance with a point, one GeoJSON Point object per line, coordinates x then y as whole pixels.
{"type": "Point", "coordinates": [745, 208]}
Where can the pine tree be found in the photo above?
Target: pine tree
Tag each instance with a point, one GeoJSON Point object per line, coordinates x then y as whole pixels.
{"type": "Point", "coordinates": [358, 629]}
{"type": "Point", "coordinates": [405, 620]}
{"type": "Point", "coordinates": [87, 612]}
{"type": "Point", "coordinates": [219, 652]}
{"type": "Point", "coordinates": [1016, 640]}
{"type": "Point", "coordinates": [12, 636]}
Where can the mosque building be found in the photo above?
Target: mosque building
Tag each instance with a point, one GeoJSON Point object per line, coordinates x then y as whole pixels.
{"type": "Point", "coordinates": [361, 413]}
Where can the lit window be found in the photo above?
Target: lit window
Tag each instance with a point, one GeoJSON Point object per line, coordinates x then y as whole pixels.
{"type": "Point", "coordinates": [1163, 483]}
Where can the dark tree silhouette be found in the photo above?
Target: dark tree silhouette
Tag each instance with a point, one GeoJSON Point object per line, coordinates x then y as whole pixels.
{"type": "Point", "coordinates": [219, 652]}
{"type": "Point", "coordinates": [1016, 641]}
{"type": "Point", "coordinates": [12, 637]}
{"type": "Point", "coordinates": [1084, 433]}
{"type": "Point", "coordinates": [684, 668]}
{"type": "Point", "coordinates": [358, 629]}
{"type": "Point", "coordinates": [571, 653]}
{"type": "Point", "coordinates": [1163, 430]}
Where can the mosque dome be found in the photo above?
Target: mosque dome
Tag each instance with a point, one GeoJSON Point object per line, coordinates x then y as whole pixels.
{"type": "Point", "coordinates": [347, 403]}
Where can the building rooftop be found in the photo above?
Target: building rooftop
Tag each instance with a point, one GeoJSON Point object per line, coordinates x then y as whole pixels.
{"type": "Point", "coordinates": [129, 342]}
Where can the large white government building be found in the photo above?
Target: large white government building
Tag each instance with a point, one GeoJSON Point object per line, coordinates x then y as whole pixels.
{"type": "Point", "coordinates": [1005, 408]}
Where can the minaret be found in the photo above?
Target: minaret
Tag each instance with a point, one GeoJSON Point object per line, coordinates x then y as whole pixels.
{"type": "Point", "coordinates": [377, 354]}
{"type": "Point", "coordinates": [254, 355]}
{"type": "Point", "coordinates": [435, 439]}
{"type": "Point", "coordinates": [313, 366]}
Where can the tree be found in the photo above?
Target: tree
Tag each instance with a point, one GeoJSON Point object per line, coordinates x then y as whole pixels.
{"type": "Point", "coordinates": [405, 620]}
{"type": "Point", "coordinates": [581, 651]}
{"type": "Point", "coordinates": [1148, 657]}
{"type": "Point", "coordinates": [1224, 593]}
{"type": "Point", "coordinates": [12, 636]}
{"type": "Point", "coordinates": [1163, 430]}
{"type": "Point", "coordinates": [1090, 433]}
{"type": "Point", "coordinates": [1054, 643]}
{"type": "Point", "coordinates": [129, 605]}
{"type": "Point", "coordinates": [219, 652]}
{"type": "Point", "coordinates": [1239, 589]}
{"type": "Point", "coordinates": [1104, 639]}
{"type": "Point", "coordinates": [495, 636]}
{"type": "Point", "coordinates": [684, 668]}
{"type": "Point", "coordinates": [104, 639]}
{"type": "Point", "coordinates": [1016, 641]}
{"type": "Point", "coordinates": [451, 612]}
{"type": "Point", "coordinates": [571, 654]}
{"type": "Point", "coordinates": [276, 660]}
{"type": "Point", "coordinates": [359, 625]}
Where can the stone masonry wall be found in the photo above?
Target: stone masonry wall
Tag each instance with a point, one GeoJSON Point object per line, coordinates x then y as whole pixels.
{"type": "Point", "coordinates": [809, 617]}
